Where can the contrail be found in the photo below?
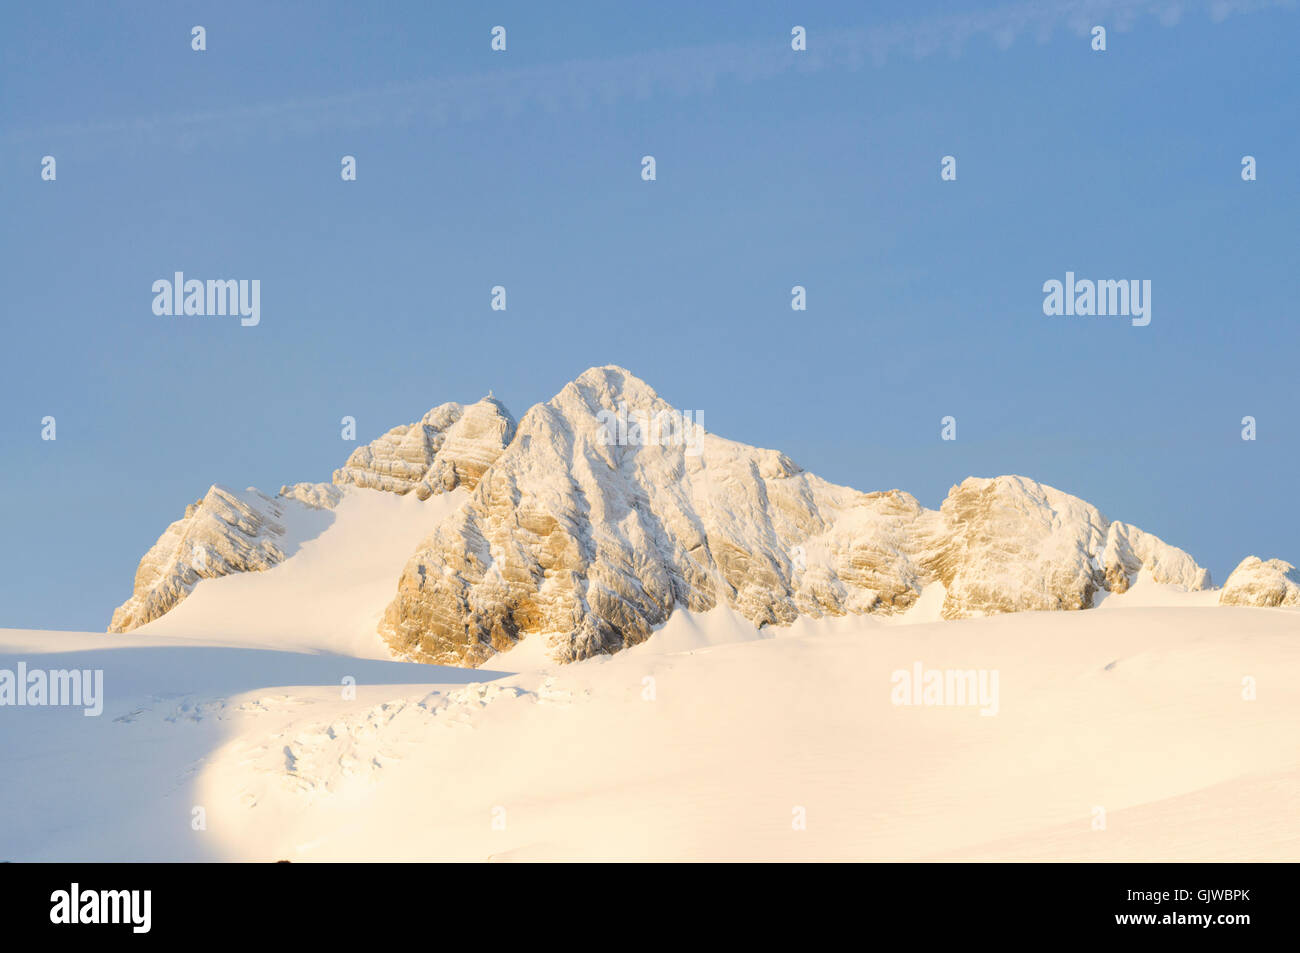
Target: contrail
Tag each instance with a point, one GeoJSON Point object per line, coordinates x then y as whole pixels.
{"type": "Point", "coordinates": [577, 85]}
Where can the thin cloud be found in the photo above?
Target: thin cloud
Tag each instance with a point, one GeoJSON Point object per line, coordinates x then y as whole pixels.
{"type": "Point", "coordinates": [580, 85]}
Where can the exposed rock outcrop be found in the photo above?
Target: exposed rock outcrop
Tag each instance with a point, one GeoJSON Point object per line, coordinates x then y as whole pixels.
{"type": "Point", "coordinates": [470, 446]}
{"type": "Point", "coordinates": [321, 496]}
{"type": "Point", "coordinates": [1269, 583]}
{"type": "Point", "coordinates": [1012, 545]}
{"type": "Point", "coordinates": [450, 446]}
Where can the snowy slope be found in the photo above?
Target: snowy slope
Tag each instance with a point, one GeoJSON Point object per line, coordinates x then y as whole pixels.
{"type": "Point", "coordinates": [330, 594]}
{"type": "Point", "coordinates": [705, 741]}
{"type": "Point", "coordinates": [221, 533]}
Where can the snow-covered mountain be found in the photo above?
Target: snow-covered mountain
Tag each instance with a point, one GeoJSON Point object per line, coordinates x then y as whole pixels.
{"type": "Point", "coordinates": [229, 532]}
{"type": "Point", "coordinates": [605, 510]}
{"type": "Point", "coordinates": [591, 543]}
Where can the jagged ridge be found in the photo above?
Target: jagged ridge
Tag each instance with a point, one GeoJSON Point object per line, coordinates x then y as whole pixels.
{"type": "Point", "coordinates": [605, 509]}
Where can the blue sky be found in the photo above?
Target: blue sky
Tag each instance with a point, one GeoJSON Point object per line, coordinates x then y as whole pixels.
{"type": "Point", "coordinates": [522, 169]}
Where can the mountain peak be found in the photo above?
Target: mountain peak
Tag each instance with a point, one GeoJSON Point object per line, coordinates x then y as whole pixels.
{"type": "Point", "coordinates": [607, 386]}
{"type": "Point", "coordinates": [450, 446]}
{"type": "Point", "coordinates": [589, 535]}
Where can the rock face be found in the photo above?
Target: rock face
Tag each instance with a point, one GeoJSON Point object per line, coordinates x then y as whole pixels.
{"type": "Point", "coordinates": [1257, 582]}
{"type": "Point", "coordinates": [320, 496]}
{"type": "Point", "coordinates": [222, 533]}
{"type": "Point", "coordinates": [470, 446]}
{"type": "Point", "coordinates": [398, 461]}
{"type": "Point", "coordinates": [589, 534]}
{"type": "Point", "coordinates": [1012, 545]}
{"type": "Point", "coordinates": [450, 446]}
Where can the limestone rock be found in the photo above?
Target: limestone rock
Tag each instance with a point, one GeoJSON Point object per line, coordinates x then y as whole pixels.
{"type": "Point", "coordinates": [1258, 582]}
{"type": "Point", "coordinates": [469, 447]}
{"type": "Point", "coordinates": [321, 496]}
{"type": "Point", "coordinates": [450, 446]}
{"type": "Point", "coordinates": [1012, 545]}
{"type": "Point", "coordinates": [398, 461]}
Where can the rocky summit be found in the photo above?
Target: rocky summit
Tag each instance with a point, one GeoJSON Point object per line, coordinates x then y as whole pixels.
{"type": "Point", "coordinates": [1268, 583]}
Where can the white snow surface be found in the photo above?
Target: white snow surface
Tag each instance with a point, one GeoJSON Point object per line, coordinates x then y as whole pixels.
{"type": "Point", "coordinates": [1146, 593]}
{"type": "Point", "coordinates": [703, 742]}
